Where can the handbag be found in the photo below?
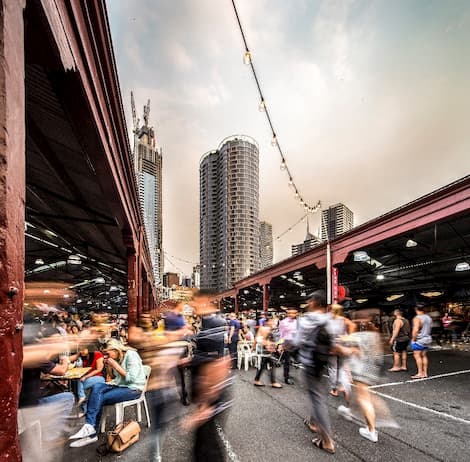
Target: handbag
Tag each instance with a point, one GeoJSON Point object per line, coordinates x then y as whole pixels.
{"type": "Point", "coordinates": [124, 435]}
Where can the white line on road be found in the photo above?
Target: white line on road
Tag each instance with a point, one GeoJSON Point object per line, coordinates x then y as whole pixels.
{"type": "Point", "coordinates": [228, 447]}
{"type": "Point", "coordinates": [390, 384]}
{"type": "Point", "coordinates": [422, 408]}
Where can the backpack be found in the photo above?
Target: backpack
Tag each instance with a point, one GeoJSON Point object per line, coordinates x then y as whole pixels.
{"type": "Point", "coordinates": [322, 343]}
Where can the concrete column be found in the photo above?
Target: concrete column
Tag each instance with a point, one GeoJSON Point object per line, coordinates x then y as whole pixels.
{"type": "Point", "coordinates": [12, 209]}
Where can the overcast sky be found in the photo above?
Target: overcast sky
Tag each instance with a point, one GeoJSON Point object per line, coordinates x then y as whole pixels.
{"type": "Point", "coordinates": [370, 100]}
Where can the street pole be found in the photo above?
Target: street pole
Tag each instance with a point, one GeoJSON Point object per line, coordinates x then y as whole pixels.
{"type": "Point", "coordinates": [328, 273]}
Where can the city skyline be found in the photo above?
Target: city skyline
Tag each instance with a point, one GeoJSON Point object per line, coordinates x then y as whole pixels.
{"type": "Point", "coordinates": [368, 99]}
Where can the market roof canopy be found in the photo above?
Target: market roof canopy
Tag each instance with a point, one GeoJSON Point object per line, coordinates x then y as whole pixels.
{"type": "Point", "coordinates": [424, 261]}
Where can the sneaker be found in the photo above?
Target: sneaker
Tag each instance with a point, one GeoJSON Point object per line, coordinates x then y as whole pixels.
{"type": "Point", "coordinates": [84, 441]}
{"type": "Point", "coordinates": [345, 412]}
{"type": "Point", "coordinates": [86, 430]}
{"type": "Point", "coordinates": [367, 434]}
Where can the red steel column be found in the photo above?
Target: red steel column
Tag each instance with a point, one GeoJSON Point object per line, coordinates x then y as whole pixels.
{"type": "Point", "coordinates": [131, 287]}
{"type": "Point", "coordinates": [265, 298]}
{"type": "Point", "coordinates": [236, 302]}
{"type": "Point", "coordinates": [139, 278]}
{"type": "Point", "coordinates": [12, 208]}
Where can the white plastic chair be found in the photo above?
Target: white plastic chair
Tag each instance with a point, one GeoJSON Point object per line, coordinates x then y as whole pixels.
{"type": "Point", "coordinates": [120, 407]}
{"type": "Point", "coordinates": [245, 354]}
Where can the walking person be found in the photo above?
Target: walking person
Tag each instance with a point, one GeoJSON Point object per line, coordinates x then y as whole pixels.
{"type": "Point", "coordinates": [287, 333]}
{"type": "Point", "coordinates": [399, 341]}
{"type": "Point", "coordinates": [337, 373]}
{"type": "Point", "coordinates": [420, 341]}
{"type": "Point", "coordinates": [268, 347]}
{"type": "Point", "coordinates": [309, 325]}
{"type": "Point", "coordinates": [234, 329]}
{"type": "Point", "coordinates": [365, 360]}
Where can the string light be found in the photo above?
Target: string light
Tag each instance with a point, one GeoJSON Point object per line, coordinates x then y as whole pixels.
{"type": "Point", "coordinates": [302, 218]}
{"type": "Point", "coordinates": [248, 60]}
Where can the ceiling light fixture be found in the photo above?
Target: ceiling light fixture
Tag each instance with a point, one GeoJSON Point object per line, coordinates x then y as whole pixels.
{"type": "Point", "coordinates": [361, 255]}
{"type": "Point", "coordinates": [380, 277]}
{"type": "Point", "coordinates": [39, 261]}
{"type": "Point", "coordinates": [411, 243]}
{"type": "Point", "coordinates": [74, 260]}
{"type": "Point", "coordinates": [462, 266]}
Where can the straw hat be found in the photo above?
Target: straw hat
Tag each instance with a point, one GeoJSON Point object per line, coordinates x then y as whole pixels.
{"type": "Point", "coordinates": [113, 344]}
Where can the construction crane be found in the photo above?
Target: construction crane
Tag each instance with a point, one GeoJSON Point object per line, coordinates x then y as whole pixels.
{"type": "Point", "coordinates": [147, 113]}
{"type": "Point", "coordinates": [135, 120]}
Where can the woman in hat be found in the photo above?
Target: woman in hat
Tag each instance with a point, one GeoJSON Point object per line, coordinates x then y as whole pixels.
{"type": "Point", "coordinates": [127, 383]}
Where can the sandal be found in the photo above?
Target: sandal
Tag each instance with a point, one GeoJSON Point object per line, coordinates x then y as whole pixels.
{"type": "Point", "coordinates": [310, 426]}
{"type": "Point", "coordinates": [394, 370]}
{"type": "Point", "coordinates": [259, 384]}
{"type": "Point", "coordinates": [334, 393]}
{"type": "Point", "coordinates": [318, 442]}
{"type": "Point", "coordinates": [418, 376]}
{"type": "Point", "coordinates": [276, 385]}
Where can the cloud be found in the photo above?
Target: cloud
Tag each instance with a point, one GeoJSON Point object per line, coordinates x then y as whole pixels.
{"type": "Point", "coordinates": [368, 99]}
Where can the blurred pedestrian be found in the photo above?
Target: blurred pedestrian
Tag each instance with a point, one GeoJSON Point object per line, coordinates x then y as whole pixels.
{"type": "Point", "coordinates": [233, 334]}
{"type": "Point", "coordinates": [310, 326]}
{"type": "Point", "coordinates": [287, 333]}
{"type": "Point", "coordinates": [267, 345]}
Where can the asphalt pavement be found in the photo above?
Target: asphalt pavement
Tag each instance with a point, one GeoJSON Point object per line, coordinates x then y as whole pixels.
{"type": "Point", "coordinates": [265, 424]}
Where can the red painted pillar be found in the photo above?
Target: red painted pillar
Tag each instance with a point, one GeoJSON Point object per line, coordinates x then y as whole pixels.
{"type": "Point", "coordinates": [12, 208]}
{"type": "Point", "coordinates": [145, 297]}
{"type": "Point", "coordinates": [139, 275]}
{"type": "Point", "coordinates": [265, 298]}
{"type": "Point", "coordinates": [131, 287]}
{"type": "Point", "coordinates": [236, 303]}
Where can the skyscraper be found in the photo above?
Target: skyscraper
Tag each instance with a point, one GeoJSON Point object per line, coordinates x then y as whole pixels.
{"type": "Point", "coordinates": [229, 208]}
{"type": "Point", "coordinates": [309, 242]}
{"type": "Point", "coordinates": [265, 244]}
{"type": "Point", "coordinates": [148, 170]}
{"type": "Point", "coordinates": [336, 220]}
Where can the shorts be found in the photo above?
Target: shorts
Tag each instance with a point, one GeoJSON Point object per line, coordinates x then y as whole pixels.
{"type": "Point", "coordinates": [398, 347]}
{"type": "Point", "coordinates": [417, 347]}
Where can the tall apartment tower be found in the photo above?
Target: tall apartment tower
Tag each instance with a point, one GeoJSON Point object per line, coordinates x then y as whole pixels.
{"type": "Point", "coordinates": [309, 242]}
{"type": "Point", "coordinates": [336, 220]}
{"type": "Point", "coordinates": [148, 170]}
{"type": "Point", "coordinates": [229, 209]}
{"type": "Point", "coordinates": [265, 244]}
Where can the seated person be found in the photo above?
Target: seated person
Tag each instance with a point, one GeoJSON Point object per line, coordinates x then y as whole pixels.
{"type": "Point", "coordinates": [125, 382]}
{"type": "Point", "coordinates": [245, 334]}
{"type": "Point", "coordinates": [52, 411]}
{"type": "Point", "coordinates": [95, 360]}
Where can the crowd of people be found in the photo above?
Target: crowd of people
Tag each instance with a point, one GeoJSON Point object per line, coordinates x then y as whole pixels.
{"type": "Point", "coordinates": [204, 347]}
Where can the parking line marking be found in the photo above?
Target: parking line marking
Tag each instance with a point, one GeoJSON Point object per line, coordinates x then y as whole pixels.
{"type": "Point", "coordinates": [422, 408]}
{"type": "Point", "coordinates": [390, 384]}
{"type": "Point", "coordinates": [228, 447]}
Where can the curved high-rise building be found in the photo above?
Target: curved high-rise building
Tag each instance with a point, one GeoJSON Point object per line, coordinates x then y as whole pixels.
{"type": "Point", "coordinates": [229, 209]}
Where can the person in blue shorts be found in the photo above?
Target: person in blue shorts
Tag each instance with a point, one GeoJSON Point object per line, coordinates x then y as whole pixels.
{"type": "Point", "coordinates": [420, 341]}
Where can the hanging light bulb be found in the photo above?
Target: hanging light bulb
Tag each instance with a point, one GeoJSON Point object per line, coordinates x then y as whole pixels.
{"type": "Point", "coordinates": [291, 182]}
{"type": "Point", "coordinates": [283, 165]}
{"type": "Point", "coordinates": [297, 194]}
{"type": "Point", "coordinates": [302, 202]}
{"type": "Point", "coordinates": [306, 207]}
{"type": "Point", "coordinates": [247, 57]}
{"type": "Point", "coordinates": [262, 106]}
{"type": "Point", "coordinates": [274, 141]}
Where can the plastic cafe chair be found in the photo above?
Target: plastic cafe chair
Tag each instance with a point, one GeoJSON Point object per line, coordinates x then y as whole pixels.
{"type": "Point", "coordinates": [120, 407]}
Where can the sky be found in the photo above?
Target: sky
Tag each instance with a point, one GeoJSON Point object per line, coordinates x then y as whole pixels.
{"type": "Point", "coordinates": [370, 101]}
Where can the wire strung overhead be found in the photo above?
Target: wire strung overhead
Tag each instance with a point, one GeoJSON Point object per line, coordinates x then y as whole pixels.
{"type": "Point", "coordinates": [291, 228]}
{"type": "Point", "coordinates": [181, 259]}
{"type": "Point", "coordinates": [248, 59]}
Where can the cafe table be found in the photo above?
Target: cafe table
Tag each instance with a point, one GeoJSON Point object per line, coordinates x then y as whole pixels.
{"type": "Point", "coordinates": [75, 373]}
